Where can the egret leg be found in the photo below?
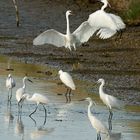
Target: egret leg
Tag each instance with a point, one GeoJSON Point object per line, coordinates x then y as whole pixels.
{"type": "Point", "coordinates": [33, 120]}
{"type": "Point", "coordinates": [66, 95]}
{"type": "Point", "coordinates": [120, 34]}
{"type": "Point", "coordinates": [10, 94]}
{"type": "Point", "coordinates": [69, 95]}
{"type": "Point", "coordinates": [19, 108]}
{"type": "Point", "coordinates": [110, 114]}
{"type": "Point", "coordinates": [110, 124]}
{"type": "Point", "coordinates": [98, 136]}
{"type": "Point", "coordinates": [33, 111]}
{"type": "Point", "coordinates": [45, 115]}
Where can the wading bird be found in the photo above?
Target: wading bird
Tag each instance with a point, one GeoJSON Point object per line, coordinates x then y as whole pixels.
{"type": "Point", "coordinates": [68, 82]}
{"type": "Point", "coordinates": [108, 100]}
{"type": "Point", "coordinates": [107, 24]}
{"type": "Point", "coordinates": [95, 122]}
{"type": "Point", "coordinates": [80, 35]}
{"type": "Point", "coordinates": [20, 92]}
{"type": "Point", "coordinates": [10, 83]}
{"type": "Point", "coordinates": [39, 99]}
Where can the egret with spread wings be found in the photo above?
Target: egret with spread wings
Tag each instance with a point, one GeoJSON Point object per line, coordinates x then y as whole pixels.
{"type": "Point", "coordinates": [68, 40]}
{"type": "Point", "coordinates": [106, 24]}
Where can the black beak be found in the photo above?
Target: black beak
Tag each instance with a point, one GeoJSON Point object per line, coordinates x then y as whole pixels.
{"type": "Point", "coordinates": [82, 100]}
{"type": "Point", "coordinates": [30, 80]}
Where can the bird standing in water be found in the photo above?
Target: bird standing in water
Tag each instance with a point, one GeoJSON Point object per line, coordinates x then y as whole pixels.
{"type": "Point", "coordinates": [10, 84]}
{"type": "Point", "coordinates": [109, 100]}
{"type": "Point", "coordinates": [95, 122]}
{"type": "Point", "coordinates": [20, 92]}
{"type": "Point", "coordinates": [68, 82]}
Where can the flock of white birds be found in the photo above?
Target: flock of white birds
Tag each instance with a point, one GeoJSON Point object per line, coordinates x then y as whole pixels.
{"type": "Point", "coordinates": [105, 25]}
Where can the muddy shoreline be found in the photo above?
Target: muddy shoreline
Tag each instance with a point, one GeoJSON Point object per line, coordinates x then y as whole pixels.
{"type": "Point", "coordinates": [115, 60]}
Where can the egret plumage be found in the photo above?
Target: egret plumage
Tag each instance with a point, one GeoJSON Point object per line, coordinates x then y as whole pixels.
{"type": "Point", "coordinates": [21, 91]}
{"type": "Point", "coordinates": [10, 84]}
{"type": "Point", "coordinates": [38, 99]}
{"type": "Point", "coordinates": [106, 24]}
{"type": "Point", "coordinates": [109, 100]}
{"type": "Point", "coordinates": [95, 122]}
{"type": "Point", "coordinates": [80, 35]}
{"type": "Point", "coordinates": [68, 82]}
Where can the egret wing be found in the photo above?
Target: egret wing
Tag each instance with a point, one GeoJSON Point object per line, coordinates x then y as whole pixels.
{"type": "Point", "coordinates": [67, 80]}
{"type": "Point", "coordinates": [101, 19]}
{"type": "Point", "coordinates": [39, 98]}
{"type": "Point", "coordinates": [13, 83]}
{"type": "Point", "coordinates": [84, 32]}
{"type": "Point", "coordinates": [50, 37]}
{"type": "Point", "coordinates": [105, 33]}
{"type": "Point", "coordinates": [119, 22]}
{"type": "Point", "coordinates": [7, 82]}
{"type": "Point", "coordinates": [114, 102]}
{"type": "Point", "coordinates": [98, 125]}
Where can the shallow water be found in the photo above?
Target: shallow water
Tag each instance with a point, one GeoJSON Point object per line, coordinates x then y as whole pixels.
{"type": "Point", "coordinates": [64, 120]}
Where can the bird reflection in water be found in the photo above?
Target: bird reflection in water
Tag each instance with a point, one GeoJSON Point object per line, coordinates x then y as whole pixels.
{"type": "Point", "coordinates": [35, 120]}
{"type": "Point", "coordinates": [19, 127]}
{"type": "Point", "coordinates": [110, 124]}
{"type": "Point", "coordinates": [8, 115]}
{"type": "Point", "coordinates": [113, 136]}
{"type": "Point", "coordinates": [40, 131]}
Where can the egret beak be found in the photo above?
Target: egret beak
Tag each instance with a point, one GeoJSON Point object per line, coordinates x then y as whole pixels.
{"type": "Point", "coordinates": [109, 5]}
{"type": "Point", "coordinates": [82, 100]}
{"type": "Point", "coordinates": [30, 80]}
{"type": "Point", "coordinates": [94, 102]}
{"type": "Point", "coordinates": [97, 82]}
{"type": "Point", "coordinates": [97, 0]}
{"type": "Point", "coordinates": [71, 13]}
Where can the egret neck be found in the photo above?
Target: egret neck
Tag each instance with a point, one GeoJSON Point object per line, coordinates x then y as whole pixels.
{"type": "Point", "coordinates": [101, 92]}
{"type": "Point", "coordinates": [68, 27]}
{"type": "Point", "coordinates": [24, 84]}
{"type": "Point", "coordinates": [104, 6]}
{"type": "Point", "coordinates": [89, 106]}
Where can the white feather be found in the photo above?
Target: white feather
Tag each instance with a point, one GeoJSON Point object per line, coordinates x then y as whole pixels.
{"type": "Point", "coordinates": [80, 35]}
{"type": "Point", "coordinates": [107, 24]}
{"type": "Point", "coordinates": [109, 100]}
{"type": "Point", "coordinates": [50, 37]}
{"type": "Point", "coordinates": [67, 79]}
{"type": "Point", "coordinates": [119, 23]}
{"type": "Point", "coordinates": [84, 32]}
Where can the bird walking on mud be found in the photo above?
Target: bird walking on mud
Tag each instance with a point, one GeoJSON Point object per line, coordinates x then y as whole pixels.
{"type": "Point", "coordinates": [106, 24]}
{"type": "Point", "coordinates": [20, 92]}
{"type": "Point", "coordinates": [95, 122]}
{"type": "Point", "coordinates": [10, 84]}
{"type": "Point", "coordinates": [109, 100]}
{"type": "Point", "coordinates": [68, 82]}
{"type": "Point", "coordinates": [68, 40]}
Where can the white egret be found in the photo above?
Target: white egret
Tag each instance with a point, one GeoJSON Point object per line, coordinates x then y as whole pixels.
{"type": "Point", "coordinates": [107, 24]}
{"type": "Point", "coordinates": [10, 83]}
{"type": "Point", "coordinates": [39, 99]}
{"type": "Point", "coordinates": [95, 122]}
{"type": "Point", "coordinates": [68, 82]}
{"type": "Point", "coordinates": [80, 35]}
{"type": "Point", "coordinates": [21, 91]}
{"type": "Point", "coordinates": [108, 100]}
